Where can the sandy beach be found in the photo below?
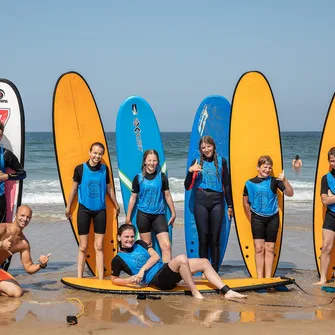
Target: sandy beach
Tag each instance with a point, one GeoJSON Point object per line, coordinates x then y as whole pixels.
{"type": "Point", "coordinates": [44, 306]}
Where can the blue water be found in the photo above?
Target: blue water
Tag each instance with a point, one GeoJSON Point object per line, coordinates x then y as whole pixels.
{"type": "Point", "coordinates": [42, 189]}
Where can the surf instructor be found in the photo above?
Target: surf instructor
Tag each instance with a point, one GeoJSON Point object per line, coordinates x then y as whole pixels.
{"type": "Point", "coordinates": [12, 240]}
{"type": "Point", "coordinates": [7, 160]}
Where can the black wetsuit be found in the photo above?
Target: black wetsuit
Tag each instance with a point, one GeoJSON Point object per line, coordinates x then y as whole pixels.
{"type": "Point", "coordinates": [329, 221]}
{"type": "Point", "coordinates": [209, 212]}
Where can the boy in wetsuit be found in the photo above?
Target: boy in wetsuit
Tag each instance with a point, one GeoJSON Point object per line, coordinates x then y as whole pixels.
{"type": "Point", "coordinates": [261, 205]}
{"type": "Point", "coordinates": [328, 228]}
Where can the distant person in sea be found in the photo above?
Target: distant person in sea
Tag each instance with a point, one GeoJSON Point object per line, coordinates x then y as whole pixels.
{"type": "Point", "coordinates": [328, 228]}
{"type": "Point", "coordinates": [12, 240]}
{"type": "Point", "coordinates": [209, 175]}
{"type": "Point", "coordinates": [297, 162]}
{"type": "Point", "coordinates": [151, 187]}
{"type": "Point", "coordinates": [7, 160]}
{"type": "Point", "coordinates": [144, 265]}
{"type": "Point", "coordinates": [261, 205]}
{"type": "Point", "coordinates": [92, 181]}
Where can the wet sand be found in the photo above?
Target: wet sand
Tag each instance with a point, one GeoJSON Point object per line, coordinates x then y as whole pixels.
{"type": "Point", "coordinates": [44, 306]}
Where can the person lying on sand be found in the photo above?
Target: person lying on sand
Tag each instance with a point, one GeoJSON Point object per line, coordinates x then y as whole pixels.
{"type": "Point", "coordinates": [144, 266]}
{"type": "Point", "coordinates": [12, 241]}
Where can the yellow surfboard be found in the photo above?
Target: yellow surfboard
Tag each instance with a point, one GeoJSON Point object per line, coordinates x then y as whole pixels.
{"type": "Point", "coordinates": [327, 142]}
{"type": "Point", "coordinates": [237, 284]}
{"type": "Point", "coordinates": [254, 132]}
{"type": "Point", "coordinates": [76, 125]}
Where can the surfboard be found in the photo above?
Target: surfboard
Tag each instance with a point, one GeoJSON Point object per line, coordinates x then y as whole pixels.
{"type": "Point", "coordinates": [254, 132]}
{"type": "Point", "coordinates": [319, 212]}
{"type": "Point", "coordinates": [76, 125]}
{"type": "Point", "coordinates": [12, 116]}
{"type": "Point", "coordinates": [239, 284]}
{"type": "Point", "coordinates": [137, 130]}
{"type": "Point", "coordinates": [212, 118]}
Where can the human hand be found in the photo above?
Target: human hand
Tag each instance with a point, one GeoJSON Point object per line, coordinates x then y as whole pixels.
{"type": "Point", "coordinates": [195, 167]}
{"type": "Point", "coordinates": [172, 220]}
{"type": "Point", "coordinates": [3, 176]}
{"type": "Point", "coordinates": [6, 244]}
{"type": "Point", "coordinates": [281, 176]}
{"type": "Point", "coordinates": [68, 214]}
{"type": "Point", "coordinates": [230, 213]}
{"type": "Point", "coordinates": [117, 213]}
{"type": "Point", "coordinates": [330, 193]}
{"type": "Point", "coordinates": [44, 259]}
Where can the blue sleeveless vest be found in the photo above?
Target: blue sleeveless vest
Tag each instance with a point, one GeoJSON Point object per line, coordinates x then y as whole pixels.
{"type": "Point", "coordinates": [151, 195]}
{"type": "Point", "coordinates": [3, 169]}
{"type": "Point", "coordinates": [331, 186]}
{"type": "Point", "coordinates": [92, 189]}
{"type": "Point", "coordinates": [208, 178]}
{"type": "Point", "coordinates": [136, 259]}
{"type": "Point", "coordinates": [263, 201]}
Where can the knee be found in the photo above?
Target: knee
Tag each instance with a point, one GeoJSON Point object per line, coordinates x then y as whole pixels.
{"type": "Point", "coordinates": [182, 259]}
{"type": "Point", "coordinates": [165, 246]}
{"type": "Point", "coordinates": [16, 292]}
{"type": "Point", "coordinates": [259, 249]}
{"type": "Point", "coordinates": [205, 262]}
{"type": "Point", "coordinates": [83, 247]}
{"type": "Point", "coordinates": [327, 248]}
{"type": "Point", "coordinates": [98, 246]}
{"type": "Point", "coordinates": [270, 248]}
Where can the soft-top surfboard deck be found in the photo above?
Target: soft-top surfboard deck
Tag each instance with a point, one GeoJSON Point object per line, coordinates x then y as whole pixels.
{"type": "Point", "coordinates": [76, 125]}
{"type": "Point", "coordinates": [212, 118]}
{"type": "Point", "coordinates": [323, 167]}
{"type": "Point", "coordinates": [239, 284]}
{"type": "Point", "coordinates": [254, 132]}
{"type": "Point", "coordinates": [12, 116]}
{"type": "Point", "coordinates": [137, 130]}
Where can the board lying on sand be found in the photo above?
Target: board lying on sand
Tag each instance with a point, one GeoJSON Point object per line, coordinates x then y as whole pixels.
{"type": "Point", "coordinates": [327, 142]}
{"type": "Point", "coordinates": [212, 118]}
{"type": "Point", "coordinates": [76, 125]}
{"type": "Point", "coordinates": [12, 116]}
{"type": "Point", "coordinates": [106, 286]}
{"type": "Point", "coordinates": [254, 132]}
{"type": "Point", "coordinates": [137, 131]}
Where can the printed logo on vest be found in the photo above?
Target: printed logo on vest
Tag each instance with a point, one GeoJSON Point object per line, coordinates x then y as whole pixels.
{"type": "Point", "coordinates": [93, 189]}
{"type": "Point", "coordinates": [261, 199]}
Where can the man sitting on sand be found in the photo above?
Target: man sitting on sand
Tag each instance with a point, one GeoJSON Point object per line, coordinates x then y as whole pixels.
{"type": "Point", "coordinates": [328, 228]}
{"type": "Point", "coordinates": [144, 266]}
{"type": "Point", "coordinates": [12, 240]}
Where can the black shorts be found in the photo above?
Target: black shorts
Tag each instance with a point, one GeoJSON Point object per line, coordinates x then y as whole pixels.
{"type": "Point", "coordinates": [151, 222]}
{"type": "Point", "coordinates": [165, 278]}
{"type": "Point", "coordinates": [329, 221]}
{"type": "Point", "coordinates": [265, 227]}
{"type": "Point", "coordinates": [84, 219]}
{"type": "Point", "coordinates": [3, 210]}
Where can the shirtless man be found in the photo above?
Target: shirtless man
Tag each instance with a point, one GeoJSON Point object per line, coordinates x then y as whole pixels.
{"type": "Point", "coordinates": [297, 162]}
{"type": "Point", "coordinates": [12, 240]}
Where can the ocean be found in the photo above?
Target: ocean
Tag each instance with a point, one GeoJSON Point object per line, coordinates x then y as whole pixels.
{"type": "Point", "coordinates": [42, 190]}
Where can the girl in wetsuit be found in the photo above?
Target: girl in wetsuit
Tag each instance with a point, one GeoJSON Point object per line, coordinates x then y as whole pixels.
{"type": "Point", "coordinates": [143, 265]}
{"type": "Point", "coordinates": [209, 175]}
{"type": "Point", "coordinates": [151, 187]}
{"type": "Point", "coordinates": [261, 205]}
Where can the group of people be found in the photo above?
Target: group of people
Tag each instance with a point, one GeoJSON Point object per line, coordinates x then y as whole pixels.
{"type": "Point", "coordinates": [209, 175]}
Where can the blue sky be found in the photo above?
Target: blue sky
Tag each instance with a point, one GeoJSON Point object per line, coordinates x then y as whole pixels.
{"type": "Point", "coordinates": [172, 53]}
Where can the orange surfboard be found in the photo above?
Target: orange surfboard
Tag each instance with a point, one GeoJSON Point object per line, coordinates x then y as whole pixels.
{"type": "Point", "coordinates": [76, 125]}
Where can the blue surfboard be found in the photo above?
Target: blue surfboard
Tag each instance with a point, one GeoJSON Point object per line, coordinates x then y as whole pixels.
{"type": "Point", "coordinates": [137, 130]}
{"type": "Point", "coordinates": [212, 118]}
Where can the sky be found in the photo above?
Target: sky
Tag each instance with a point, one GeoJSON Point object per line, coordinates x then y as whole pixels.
{"type": "Point", "coordinates": [172, 53]}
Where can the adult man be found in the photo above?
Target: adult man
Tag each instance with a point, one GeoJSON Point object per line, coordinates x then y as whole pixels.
{"type": "Point", "coordinates": [12, 240]}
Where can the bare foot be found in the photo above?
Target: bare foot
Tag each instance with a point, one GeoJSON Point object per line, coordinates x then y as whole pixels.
{"type": "Point", "coordinates": [233, 295]}
{"type": "Point", "coordinates": [320, 282]}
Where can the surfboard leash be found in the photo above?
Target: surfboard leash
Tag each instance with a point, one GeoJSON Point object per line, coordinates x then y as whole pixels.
{"type": "Point", "coordinates": [73, 319]}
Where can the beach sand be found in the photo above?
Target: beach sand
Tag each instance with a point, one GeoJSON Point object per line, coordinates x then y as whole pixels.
{"type": "Point", "coordinates": [44, 306]}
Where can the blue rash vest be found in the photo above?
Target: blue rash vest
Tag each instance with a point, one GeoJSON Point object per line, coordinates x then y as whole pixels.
{"type": "Point", "coordinates": [208, 177]}
{"type": "Point", "coordinates": [262, 200]}
{"type": "Point", "coordinates": [135, 261]}
{"type": "Point", "coordinates": [331, 186]}
{"type": "Point", "coordinates": [151, 195]}
{"type": "Point", "coordinates": [92, 189]}
{"type": "Point", "coordinates": [3, 169]}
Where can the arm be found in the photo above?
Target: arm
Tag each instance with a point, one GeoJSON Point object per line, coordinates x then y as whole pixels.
{"type": "Point", "coordinates": [328, 199]}
{"type": "Point", "coordinates": [131, 206]}
{"type": "Point", "coordinates": [73, 193]}
{"type": "Point", "coordinates": [246, 206]}
{"type": "Point", "coordinates": [192, 174]}
{"type": "Point", "coordinates": [169, 201]}
{"type": "Point", "coordinates": [288, 188]}
{"type": "Point", "coordinates": [154, 258]}
{"type": "Point", "coordinates": [13, 163]}
{"type": "Point", "coordinates": [227, 188]}
{"type": "Point", "coordinates": [111, 194]}
{"type": "Point", "coordinates": [27, 262]}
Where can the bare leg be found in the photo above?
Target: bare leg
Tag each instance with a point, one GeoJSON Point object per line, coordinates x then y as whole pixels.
{"type": "Point", "coordinates": [269, 256]}
{"type": "Point", "coordinates": [165, 245]}
{"type": "Point", "coordinates": [327, 245]}
{"type": "Point", "coordinates": [203, 264]}
{"type": "Point", "coordinates": [82, 250]}
{"type": "Point", "coordinates": [259, 257]}
{"type": "Point", "coordinates": [180, 264]}
{"type": "Point", "coordinates": [146, 237]}
{"type": "Point", "coordinates": [99, 254]}
{"type": "Point", "coordinates": [10, 288]}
